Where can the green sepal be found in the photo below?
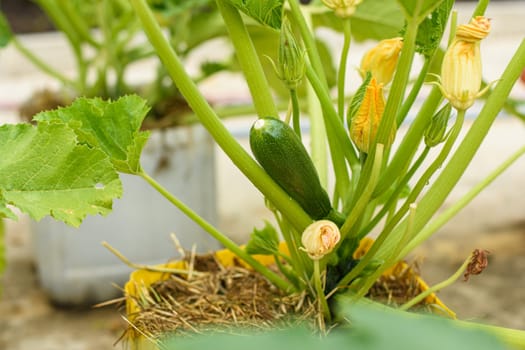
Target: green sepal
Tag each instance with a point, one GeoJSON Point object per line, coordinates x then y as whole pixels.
{"type": "Point", "coordinates": [264, 241]}
{"type": "Point", "coordinates": [357, 99]}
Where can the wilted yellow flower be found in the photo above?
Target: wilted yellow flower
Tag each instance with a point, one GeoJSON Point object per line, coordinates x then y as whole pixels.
{"type": "Point", "coordinates": [365, 121]}
{"type": "Point", "coordinates": [342, 8]}
{"type": "Point", "coordinates": [320, 238]}
{"type": "Point", "coordinates": [382, 59]}
{"type": "Point", "coordinates": [461, 68]}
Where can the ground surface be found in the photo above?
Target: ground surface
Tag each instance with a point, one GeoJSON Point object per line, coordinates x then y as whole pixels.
{"type": "Point", "coordinates": [494, 221]}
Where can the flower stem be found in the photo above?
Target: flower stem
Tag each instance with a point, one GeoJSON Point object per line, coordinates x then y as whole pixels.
{"type": "Point", "coordinates": [397, 91]}
{"type": "Point", "coordinates": [321, 297]}
{"type": "Point", "coordinates": [364, 198]}
{"type": "Point", "coordinates": [296, 115]}
{"type": "Point", "coordinates": [341, 77]}
{"type": "Point", "coordinates": [439, 286]}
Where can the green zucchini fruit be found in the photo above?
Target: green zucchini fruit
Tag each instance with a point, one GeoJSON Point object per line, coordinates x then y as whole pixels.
{"type": "Point", "coordinates": [282, 155]}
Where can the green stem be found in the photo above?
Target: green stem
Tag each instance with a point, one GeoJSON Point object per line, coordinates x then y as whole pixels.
{"type": "Point", "coordinates": [289, 208]}
{"type": "Point", "coordinates": [364, 198]}
{"type": "Point", "coordinates": [334, 125]}
{"type": "Point", "coordinates": [443, 218]}
{"type": "Point", "coordinates": [321, 297]}
{"type": "Point", "coordinates": [480, 8]}
{"type": "Point", "coordinates": [409, 145]}
{"type": "Point", "coordinates": [248, 59]}
{"type": "Point", "coordinates": [338, 141]}
{"type": "Point", "coordinates": [397, 90]}
{"type": "Point", "coordinates": [390, 203]}
{"type": "Point", "coordinates": [309, 42]}
{"type": "Point", "coordinates": [78, 23]}
{"type": "Point", "coordinates": [296, 115]}
{"type": "Point", "coordinates": [63, 23]}
{"type": "Point", "coordinates": [219, 236]}
{"type": "Point", "coordinates": [437, 287]}
{"type": "Point", "coordinates": [409, 100]}
{"type": "Point", "coordinates": [318, 136]}
{"type": "Point", "coordinates": [341, 77]}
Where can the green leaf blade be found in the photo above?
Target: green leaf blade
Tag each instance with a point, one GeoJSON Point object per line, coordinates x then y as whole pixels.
{"type": "Point", "coordinates": [112, 126]}
{"type": "Point", "coordinates": [268, 12]}
{"type": "Point", "coordinates": [44, 171]}
{"type": "Point", "coordinates": [418, 9]}
{"type": "Point", "coordinates": [264, 241]}
{"type": "Point", "coordinates": [373, 20]}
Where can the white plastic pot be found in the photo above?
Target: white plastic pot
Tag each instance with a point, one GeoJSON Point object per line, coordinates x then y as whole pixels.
{"type": "Point", "coordinates": [73, 266]}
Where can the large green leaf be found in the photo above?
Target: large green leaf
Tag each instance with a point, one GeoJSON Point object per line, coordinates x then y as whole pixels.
{"type": "Point", "coordinates": [374, 20]}
{"type": "Point", "coordinates": [112, 126]}
{"type": "Point", "coordinates": [431, 30]}
{"type": "Point", "coordinates": [268, 12]}
{"type": "Point", "coordinates": [45, 171]}
{"type": "Point", "coordinates": [418, 9]}
{"type": "Point", "coordinates": [371, 329]}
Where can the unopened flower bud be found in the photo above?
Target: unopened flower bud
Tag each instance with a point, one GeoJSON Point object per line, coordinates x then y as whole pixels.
{"type": "Point", "coordinates": [435, 132]}
{"type": "Point", "coordinates": [290, 61]}
{"type": "Point", "coordinates": [382, 59]}
{"type": "Point", "coordinates": [342, 8]}
{"type": "Point", "coordinates": [461, 67]}
{"type": "Point", "coordinates": [320, 238]}
{"type": "Point", "coordinates": [364, 120]}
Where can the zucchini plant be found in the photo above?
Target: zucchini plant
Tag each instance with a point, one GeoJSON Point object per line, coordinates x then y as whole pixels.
{"type": "Point", "coordinates": [77, 152]}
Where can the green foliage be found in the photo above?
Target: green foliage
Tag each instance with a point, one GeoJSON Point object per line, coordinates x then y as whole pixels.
{"type": "Point", "coordinates": [375, 20]}
{"type": "Point", "coordinates": [431, 29]}
{"type": "Point", "coordinates": [357, 99]}
{"type": "Point", "coordinates": [113, 127]}
{"type": "Point", "coordinates": [264, 241]}
{"type": "Point", "coordinates": [67, 165]}
{"type": "Point", "coordinates": [5, 31]}
{"type": "Point", "coordinates": [170, 8]}
{"type": "Point", "coordinates": [267, 12]}
{"type": "Point", "coordinates": [371, 329]}
{"type": "Point", "coordinates": [418, 9]}
{"type": "Point", "coordinates": [44, 170]}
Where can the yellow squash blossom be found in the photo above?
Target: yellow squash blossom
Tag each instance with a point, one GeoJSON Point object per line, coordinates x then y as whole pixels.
{"type": "Point", "coordinates": [461, 67]}
{"type": "Point", "coordinates": [320, 238]}
{"type": "Point", "coordinates": [365, 121]}
{"type": "Point", "coordinates": [382, 59]}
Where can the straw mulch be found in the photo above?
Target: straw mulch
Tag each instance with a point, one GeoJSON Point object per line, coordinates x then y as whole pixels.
{"type": "Point", "coordinates": [218, 298]}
